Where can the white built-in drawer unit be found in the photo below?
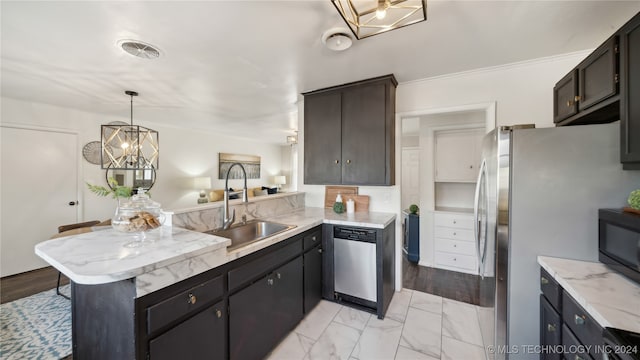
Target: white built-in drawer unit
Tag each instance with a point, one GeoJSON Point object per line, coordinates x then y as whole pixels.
{"type": "Point", "coordinates": [454, 243]}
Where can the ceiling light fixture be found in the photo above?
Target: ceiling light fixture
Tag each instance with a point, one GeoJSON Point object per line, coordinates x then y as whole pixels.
{"type": "Point", "coordinates": [129, 147]}
{"type": "Point", "coordinates": [337, 39]}
{"type": "Point", "coordinates": [371, 17]}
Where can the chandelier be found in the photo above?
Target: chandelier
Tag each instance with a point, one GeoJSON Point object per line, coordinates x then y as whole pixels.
{"type": "Point", "coordinates": [371, 17]}
{"type": "Point", "coordinates": [128, 146]}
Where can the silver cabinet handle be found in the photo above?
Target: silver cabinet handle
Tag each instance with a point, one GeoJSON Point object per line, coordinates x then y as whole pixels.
{"type": "Point", "coordinates": [270, 281]}
{"type": "Point", "coordinates": [579, 320]}
{"type": "Point", "coordinates": [543, 280]}
{"type": "Point", "coordinates": [279, 276]}
{"type": "Point", "coordinates": [551, 327]}
{"type": "Point", "coordinates": [313, 238]}
{"type": "Point", "coordinates": [320, 250]}
{"type": "Point", "coordinates": [218, 313]}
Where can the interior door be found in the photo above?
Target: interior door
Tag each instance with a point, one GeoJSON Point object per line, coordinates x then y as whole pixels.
{"type": "Point", "coordinates": [39, 191]}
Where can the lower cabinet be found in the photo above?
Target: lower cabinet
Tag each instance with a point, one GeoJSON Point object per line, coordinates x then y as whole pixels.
{"type": "Point", "coordinates": [312, 278]}
{"type": "Point", "coordinates": [550, 329]}
{"type": "Point", "coordinates": [200, 337]}
{"type": "Point", "coordinates": [264, 312]}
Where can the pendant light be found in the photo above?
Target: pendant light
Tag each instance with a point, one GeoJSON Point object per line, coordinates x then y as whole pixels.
{"type": "Point", "coordinates": [371, 17]}
{"type": "Point", "coordinates": [128, 146]}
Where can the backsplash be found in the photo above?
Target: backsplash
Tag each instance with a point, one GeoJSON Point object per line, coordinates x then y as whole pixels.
{"type": "Point", "coordinates": [210, 217]}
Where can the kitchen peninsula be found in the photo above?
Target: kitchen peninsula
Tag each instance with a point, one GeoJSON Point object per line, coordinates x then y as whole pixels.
{"type": "Point", "coordinates": [184, 294]}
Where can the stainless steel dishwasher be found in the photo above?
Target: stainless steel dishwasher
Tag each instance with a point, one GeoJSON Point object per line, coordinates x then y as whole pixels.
{"type": "Point", "coordinates": [354, 256]}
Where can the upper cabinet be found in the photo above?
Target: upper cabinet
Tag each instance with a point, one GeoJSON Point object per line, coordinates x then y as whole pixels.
{"type": "Point", "coordinates": [588, 93]}
{"type": "Point", "coordinates": [630, 93]}
{"type": "Point", "coordinates": [606, 86]}
{"type": "Point", "coordinates": [349, 133]}
{"type": "Point", "coordinates": [457, 155]}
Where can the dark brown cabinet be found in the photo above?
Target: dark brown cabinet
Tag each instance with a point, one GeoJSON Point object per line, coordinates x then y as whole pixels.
{"type": "Point", "coordinates": [630, 93]}
{"type": "Point", "coordinates": [349, 133]}
{"type": "Point", "coordinates": [312, 270]}
{"type": "Point", "coordinates": [550, 329]}
{"type": "Point", "coordinates": [264, 312]}
{"type": "Point", "coordinates": [588, 94]}
{"type": "Point", "coordinates": [200, 337]}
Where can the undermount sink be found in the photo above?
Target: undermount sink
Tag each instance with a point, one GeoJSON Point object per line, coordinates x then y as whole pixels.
{"type": "Point", "coordinates": [245, 233]}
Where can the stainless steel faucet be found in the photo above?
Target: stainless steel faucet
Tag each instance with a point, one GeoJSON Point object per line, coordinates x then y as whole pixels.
{"type": "Point", "coordinates": [226, 220]}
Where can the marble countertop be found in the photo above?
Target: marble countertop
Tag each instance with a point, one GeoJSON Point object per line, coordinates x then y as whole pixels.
{"type": "Point", "coordinates": [174, 254]}
{"type": "Point", "coordinates": [610, 298]}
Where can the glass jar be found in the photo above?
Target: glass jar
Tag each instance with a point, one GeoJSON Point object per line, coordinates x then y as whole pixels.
{"type": "Point", "coordinates": [138, 215]}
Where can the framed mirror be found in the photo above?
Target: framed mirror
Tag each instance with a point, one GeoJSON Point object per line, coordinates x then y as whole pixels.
{"type": "Point", "coordinates": [144, 178]}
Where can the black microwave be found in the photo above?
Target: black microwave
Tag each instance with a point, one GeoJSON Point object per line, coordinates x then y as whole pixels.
{"type": "Point", "coordinates": [619, 241]}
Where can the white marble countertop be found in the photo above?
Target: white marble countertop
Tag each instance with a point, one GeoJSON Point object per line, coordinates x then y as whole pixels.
{"type": "Point", "coordinates": [100, 257]}
{"type": "Point", "coordinates": [610, 298]}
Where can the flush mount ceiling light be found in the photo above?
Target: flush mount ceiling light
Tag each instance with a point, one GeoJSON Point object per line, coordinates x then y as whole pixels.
{"type": "Point", "coordinates": [139, 49]}
{"type": "Point", "coordinates": [129, 147]}
{"type": "Point", "coordinates": [337, 39]}
{"type": "Point", "coordinates": [371, 17]}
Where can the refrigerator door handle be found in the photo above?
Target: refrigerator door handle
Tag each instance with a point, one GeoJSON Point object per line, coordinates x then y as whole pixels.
{"type": "Point", "coordinates": [476, 218]}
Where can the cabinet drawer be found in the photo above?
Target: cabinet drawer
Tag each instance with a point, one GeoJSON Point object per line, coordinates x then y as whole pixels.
{"type": "Point", "coordinates": [550, 329]}
{"type": "Point", "coordinates": [183, 303]}
{"type": "Point", "coordinates": [257, 268]}
{"type": "Point", "coordinates": [571, 343]}
{"type": "Point", "coordinates": [312, 239]}
{"type": "Point", "coordinates": [457, 221]}
{"type": "Point", "coordinates": [551, 290]}
{"type": "Point", "coordinates": [454, 234]}
{"type": "Point", "coordinates": [456, 260]}
{"type": "Point", "coordinates": [455, 246]}
{"type": "Point", "coordinates": [580, 322]}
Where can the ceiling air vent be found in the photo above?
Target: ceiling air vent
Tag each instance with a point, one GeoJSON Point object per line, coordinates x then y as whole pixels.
{"type": "Point", "coordinates": [139, 49]}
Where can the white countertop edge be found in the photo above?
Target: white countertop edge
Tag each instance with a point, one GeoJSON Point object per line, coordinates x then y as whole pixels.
{"type": "Point", "coordinates": [580, 299]}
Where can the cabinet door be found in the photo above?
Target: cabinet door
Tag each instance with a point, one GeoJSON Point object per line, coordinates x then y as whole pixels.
{"type": "Point", "coordinates": [630, 93]}
{"type": "Point", "coordinates": [322, 138]}
{"type": "Point", "coordinates": [200, 337]}
{"type": "Point", "coordinates": [312, 278]}
{"type": "Point", "coordinates": [564, 97]}
{"type": "Point", "coordinates": [264, 312]}
{"type": "Point", "coordinates": [457, 155]}
{"type": "Point", "coordinates": [550, 328]}
{"type": "Point", "coordinates": [364, 154]}
{"type": "Point", "coordinates": [597, 75]}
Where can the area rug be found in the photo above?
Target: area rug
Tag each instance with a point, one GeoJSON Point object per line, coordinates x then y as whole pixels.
{"type": "Point", "coordinates": [36, 327]}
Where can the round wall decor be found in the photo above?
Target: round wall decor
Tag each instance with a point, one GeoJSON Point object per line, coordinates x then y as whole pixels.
{"type": "Point", "coordinates": [91, 152]}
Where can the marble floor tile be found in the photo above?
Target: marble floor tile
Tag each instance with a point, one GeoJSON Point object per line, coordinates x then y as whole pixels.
{"type": "Point", "coordinates": [453, 349]}
{"type": "Point", "coordinates": [408, 354]}
{"type": "Point", "coordinates": [336, 342]}
{"type": "Point", "coordinates": [399, 304]}
{"type": "Point", "coordinates": [422, 332]}
{"type": "Point", "coordinates": [426, 302]}
{"type": "Point", "coordinates": [318, 319]}
{"type": "Point", "coordinates": [352, 317]}
{"type": "Point", "coordinates": [293, 347]}
{"type": "Point", "coordinates": [460, 321]}
{"type": "Point", "coordinates": [379, 340]}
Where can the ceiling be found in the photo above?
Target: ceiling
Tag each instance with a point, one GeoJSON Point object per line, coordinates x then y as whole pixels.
{"type": "Point", "coordinates": [238, 67]}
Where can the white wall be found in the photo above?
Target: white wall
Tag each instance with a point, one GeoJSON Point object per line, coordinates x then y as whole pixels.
{"type": "Point", "coordinates": [522, 92]}
{"type": "Point", "coordinates": [184, 154]}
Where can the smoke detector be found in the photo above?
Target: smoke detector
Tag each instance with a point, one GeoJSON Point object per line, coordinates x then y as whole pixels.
{"type": "Point", "coordinates": [139, 49]}
{"type": "Point", "coordinates": [337, 39]}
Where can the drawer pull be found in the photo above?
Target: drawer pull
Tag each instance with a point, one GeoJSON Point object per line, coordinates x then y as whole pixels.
{"type": "Point", "coordinates": [579, 320]}
{"type": "Point", "coordinates": [270, 282]}
{"type": "Point", "coordinates": [320, 251]}
{"type": "Point", "coordinates": [544, 281]}
{"type": "Point", "coordinates": [218, 314]}
{"type": "Point", "coordinates": [279, 276]}
{"type": "Point", "coordinates": [551, 327]}
{"type": "Point", "coordinates": [192, 299]}
{"type": "Point", "coordinates": [313, 238]}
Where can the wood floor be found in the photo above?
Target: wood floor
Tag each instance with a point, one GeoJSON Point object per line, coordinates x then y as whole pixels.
{"type": "Point", "coordinates": [448, 284]}
{"type": "Point", "coordinates": [32, 282]}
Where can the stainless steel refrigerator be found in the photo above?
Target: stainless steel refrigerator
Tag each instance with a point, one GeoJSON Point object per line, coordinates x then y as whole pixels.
{"type": "Point", "coordinates": [537, 193]}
